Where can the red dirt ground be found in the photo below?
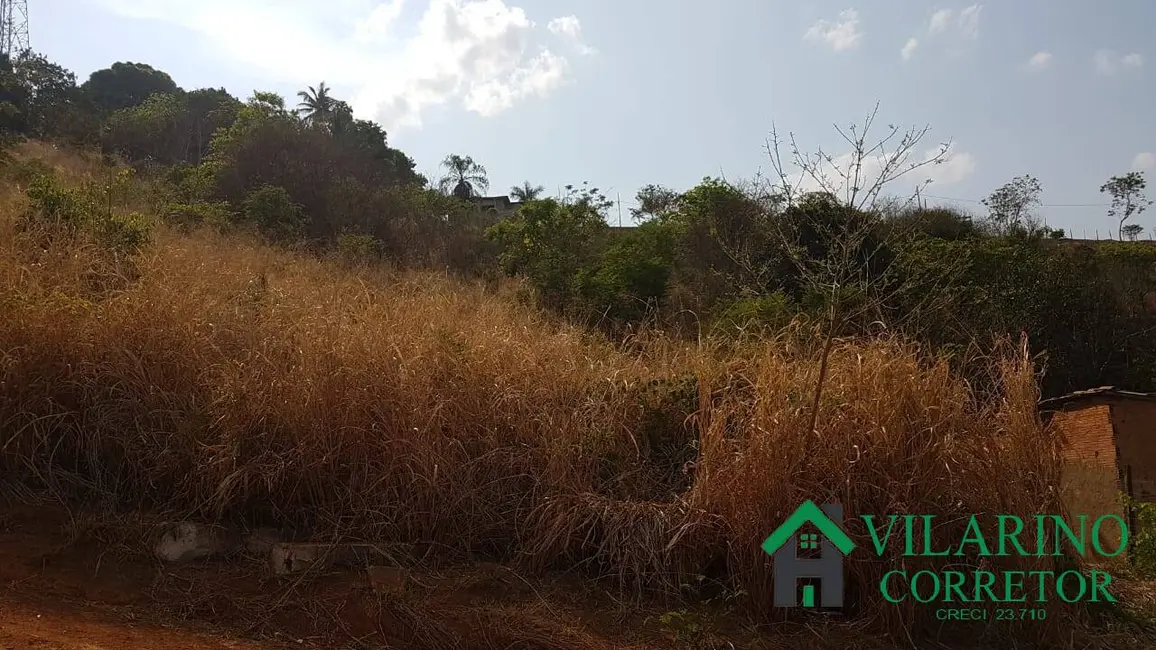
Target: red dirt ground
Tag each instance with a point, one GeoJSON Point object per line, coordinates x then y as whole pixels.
{"type": "Point", "coordinates": [67, 583]}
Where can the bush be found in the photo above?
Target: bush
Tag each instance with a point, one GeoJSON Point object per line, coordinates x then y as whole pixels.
{"type": "Point", "coordinates": [124, 233]}
{"type": "Point", "coordinates": [51, 203]}
{"type": "Point", "coordinates": [358, 249]}
{"type": "Point", "coordinates": [274, 213]}
{"type": "Point", "coordinates": [763, 314]}
{"type": "Point", "coordinates": [215, 214]}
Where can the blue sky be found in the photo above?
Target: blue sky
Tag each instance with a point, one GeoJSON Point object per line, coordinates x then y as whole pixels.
{"type": "Point", "coordinates": [624, 93]}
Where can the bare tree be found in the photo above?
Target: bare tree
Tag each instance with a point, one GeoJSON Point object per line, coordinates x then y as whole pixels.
{"type": "Point", "coordinates": [849, 177]}
{"type": "Point", "coordinates": [846, 189]}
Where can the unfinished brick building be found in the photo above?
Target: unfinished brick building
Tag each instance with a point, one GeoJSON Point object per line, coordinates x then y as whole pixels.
{"type": "Point", "coordinates": [1109, 447]}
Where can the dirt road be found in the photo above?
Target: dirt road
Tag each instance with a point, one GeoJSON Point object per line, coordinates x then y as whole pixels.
{"type": "Point", "coordinates": [40, 627]}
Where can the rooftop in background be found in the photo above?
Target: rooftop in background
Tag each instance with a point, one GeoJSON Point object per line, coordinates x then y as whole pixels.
{"type": "Point", "coordinates": [1093, 393]}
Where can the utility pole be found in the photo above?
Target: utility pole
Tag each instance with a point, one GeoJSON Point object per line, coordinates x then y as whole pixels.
{"type": "Point", "coordinates": [619, 195]}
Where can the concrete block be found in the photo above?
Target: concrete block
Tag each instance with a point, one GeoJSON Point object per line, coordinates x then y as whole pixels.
{"type": "Point", "coordinates": [388, 581]}
{"type": "Point", "coordinates": [262, 540]}
{"type": "Point", "coordinates": [287, 558]}
{"type": "Point", "coordinates": [188, 541]}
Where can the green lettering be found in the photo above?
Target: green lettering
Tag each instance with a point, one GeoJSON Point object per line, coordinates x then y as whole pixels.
{"type": "Point", "coordinates": [880, 544]}
{"type": "Point", "coordinates": [953, 584]}
{"type": "Point", "coordinates": [1013, 581]}
{"type": "Point", "coordinates": [1096, 535]}
{"type": "Point", "coordinates": [909, 523]}
{"type": "Point", "coordinates": [915, 591]}
{"type": "Point", "coordinates": [1042, 587]}
{"type": "Point", "coordinates": [1080, 544]}
{"type": "Point", "coordinates": [984, 580]}
{"type": "Point", "coordinates": [973, 535]}
{"type": "Point", "coordinates": [928, 545]}
{"type": "Point", "coordinates": [1101, 588]}
{"type": "Point", "coordinates": [1079, 578]}
{"type": "Point", "coordinates": [1013, 536]}
{"type": "Point", "coordinates": [883, 587]}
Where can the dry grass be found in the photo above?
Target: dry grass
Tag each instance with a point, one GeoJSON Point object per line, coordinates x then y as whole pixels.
{"type": "Point", "coordinates": [227, 380]}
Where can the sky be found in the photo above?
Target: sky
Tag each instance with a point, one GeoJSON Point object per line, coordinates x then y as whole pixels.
{"type": "Point", "coordinates": [623, 93]}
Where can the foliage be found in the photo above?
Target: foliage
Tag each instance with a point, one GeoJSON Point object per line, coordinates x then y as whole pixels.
{"type": "Point", "coordinates": [170, 128]}
{"type": "Point", "coordinates": [215, 214]}
{"type": "Point", "coordinates": [551, 242]}
{"type": "Point", "coordinates": [358, 249]}
{"type": "Point", "coordinates": [1128, 200]}
{"type": "Point", "coordinates": [317, 106]}
{"type": "Point", "coordinates": [762, 314]}
{"type": "Point", "coordinates": [1010, 206]}
{"type": "Point", "coordinates": [57, 207]}
{"type": "Point", "coordinates": [527, 191]}
{"type": "Point", "coordinates": [273, 211]}
{"type": "Point", "coordinates": [631, 276]}
{"type": "Point", "coordinates": [1142, 547]}
{"type": "Point", "coordinates": [125, 85]}
{"type": "Point", "coordinates": [464, 178]}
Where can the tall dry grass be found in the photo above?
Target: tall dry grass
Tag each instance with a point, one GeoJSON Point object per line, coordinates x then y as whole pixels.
{"type": "Point", "coordinates": [224, 379]}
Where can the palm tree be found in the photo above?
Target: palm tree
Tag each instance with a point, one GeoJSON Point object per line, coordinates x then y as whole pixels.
{"type": "Point", "coordinates": [464, 178]}
{"type": "Point", "coordinates": [316, 106]}
{"type": "Point", "coordinates": [526, 191]}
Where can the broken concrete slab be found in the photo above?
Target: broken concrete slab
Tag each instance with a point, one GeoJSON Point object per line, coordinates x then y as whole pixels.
{"type": "Point", "coordinates": [261, 541]}
{"type": "Point", "coordinates": [188, 541]}
{"type": "Point", "coordinates": [287, 558]}
{"type": "Point", "coordinates": [387, 581]}
{"type": "Point", "coordinates": [290, 557]}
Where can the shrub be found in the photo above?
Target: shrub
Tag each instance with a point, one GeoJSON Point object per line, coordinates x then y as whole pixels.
{"type": "Point", "coordinates": [358, 249]}
{"type": "Point", "coordinates": [270, 209]}
{"type": "Point", "coordinates": [215, 214]}
{"type": "Point", "coordinates": [765, 313]}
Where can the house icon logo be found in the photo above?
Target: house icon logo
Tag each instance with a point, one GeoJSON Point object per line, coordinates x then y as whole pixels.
{"type": "Point", "coordinates": [832, 543]}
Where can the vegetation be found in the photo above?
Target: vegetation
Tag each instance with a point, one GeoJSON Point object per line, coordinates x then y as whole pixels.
{"type": "Point", "coordinates": [237, 309]}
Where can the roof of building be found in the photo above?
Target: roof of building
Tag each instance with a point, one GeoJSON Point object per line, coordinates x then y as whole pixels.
{"type": "Point", "coordinates": [1102, 391]}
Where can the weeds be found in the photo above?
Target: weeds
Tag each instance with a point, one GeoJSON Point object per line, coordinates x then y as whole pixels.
{"type": "Point", "coordinates": [414, 409]}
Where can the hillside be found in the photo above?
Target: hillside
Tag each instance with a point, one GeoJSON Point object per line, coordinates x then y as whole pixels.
{"type": "Point", "coordinates": [160, 371]}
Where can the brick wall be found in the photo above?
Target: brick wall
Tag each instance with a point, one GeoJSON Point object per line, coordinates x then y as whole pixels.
{"type": "Point", "coordinates": [1090, 480]}
{"type": "Point", "coordinates": [1087, 431]}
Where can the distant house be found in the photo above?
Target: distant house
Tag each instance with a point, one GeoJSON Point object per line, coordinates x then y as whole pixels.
{"type": "Point", "coordinates": [1107, 447]}
{"type": "Point", "coordinates": [502, 205]}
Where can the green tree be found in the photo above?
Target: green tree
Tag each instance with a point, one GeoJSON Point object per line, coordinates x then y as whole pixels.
{"type": "Point", "coordinates": [126, 84]}
{"type": "Point", "coordinates": [272, 210]}
{"type": "Point", "coordinates": [316, 106]}
{"type": "Point", "coordinates": [526, 191]}
{"type": "Point", "coordinates": [1131, 232]}
{"type": "Point", "coordinates": [464, 178]}
{"type": "Point", "coordinates": [552, 243]}
{"type": "Point", "coordinates": [1010, 206]}
{"type": "Point", "coordinates": [1128, 198]}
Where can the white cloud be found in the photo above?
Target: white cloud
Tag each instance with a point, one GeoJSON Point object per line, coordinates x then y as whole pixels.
{"type": "Point", "coordinates": [1143, 162]}
{"type": "Point", "coordinates": [569, 28]}
{"type": "Point", "coordinates": [955, 168]}
{"type": "Point", "coordinates": [1133, 60]}
{"type": "Point", "coordinates": [839, 36]}
{"type": "Point", "coordinates": [1109, 62]}
{"type": "Point", "coordinates": [969, 21]}
{"type": "Point", "coordinates": [909, 49]}
{"type": "Point", "coordinates": [485, 55]}
{"type": "Point", "coordinates": [939, 21]}
{"type": "Point", "coordinates": [1040, 60]}
{"type": "Point", "coordinates": [957, 29]}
